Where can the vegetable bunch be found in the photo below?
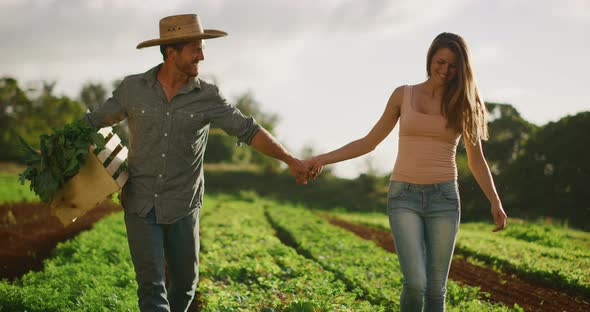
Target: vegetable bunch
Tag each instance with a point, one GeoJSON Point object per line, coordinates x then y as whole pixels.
{"type": "Point", "coordinates": [61, 156]}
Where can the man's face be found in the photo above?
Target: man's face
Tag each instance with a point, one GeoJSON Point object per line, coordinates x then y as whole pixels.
{"type": "Point", "coordinates": [187, 60]}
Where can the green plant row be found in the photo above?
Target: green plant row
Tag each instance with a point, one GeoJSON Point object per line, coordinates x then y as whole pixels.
{"type": "Point", "coordinates": [549, 235]}
{"type": "Point", "coordinates": [561, 267]}
{"type": "Point", "coordinates": [92, 272]}
{"type": "Point", "coordinates": [244, 267]}
{"type": "Point", "coordinates": [540, 234]}
{"type": "Point", "coordinates": [372, 271]}
{"type": "Point", "coordinates": [554, 255]}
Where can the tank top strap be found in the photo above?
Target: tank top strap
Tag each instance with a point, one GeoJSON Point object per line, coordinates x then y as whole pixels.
{"type": "Point", "coordinates": [407, 98]}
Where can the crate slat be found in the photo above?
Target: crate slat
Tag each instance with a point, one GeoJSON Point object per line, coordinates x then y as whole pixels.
{"type": "Point", "coordinates": [110, 146]}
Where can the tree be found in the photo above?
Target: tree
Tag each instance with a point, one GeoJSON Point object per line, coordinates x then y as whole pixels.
{"type": "Point", "coordinates": [14, 105]}
{"type": "Point", "coordinates": [93, 94]}
{"type": "Point", "coordinates": [30, 118]}
{"type": "Point", "coordinates": [222, 149]}
{"type": "Point", "coordinates": [550, 175]}
{"type": "Point", "coordinates": [249, 106]}
{"type": "Point", "coordinates": [508, 134]}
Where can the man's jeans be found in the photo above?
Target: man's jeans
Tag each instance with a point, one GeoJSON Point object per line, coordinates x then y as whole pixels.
{"type": "Point", "coordinates": [179, 243]}
{"type": "Point", "coordinates": [424, 220]}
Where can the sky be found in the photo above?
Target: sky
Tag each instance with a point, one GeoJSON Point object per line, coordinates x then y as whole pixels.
{"type": "Point", "coordinates": [327, 68]}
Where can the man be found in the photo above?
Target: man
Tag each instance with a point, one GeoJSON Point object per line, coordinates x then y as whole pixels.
{"type": "Point", "coordinates": [169, 112]}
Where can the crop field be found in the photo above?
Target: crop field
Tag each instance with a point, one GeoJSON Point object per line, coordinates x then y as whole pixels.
{"type": "Point", "coordinates": [262, 255]}
{"type": "Point", "coordinates": [553, 254]}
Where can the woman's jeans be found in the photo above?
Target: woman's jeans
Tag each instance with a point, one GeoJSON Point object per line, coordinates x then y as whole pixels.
{"type": "Point", "coordinates": [178, 242]}
{"type": "Point", "coordinates": [424, 220]}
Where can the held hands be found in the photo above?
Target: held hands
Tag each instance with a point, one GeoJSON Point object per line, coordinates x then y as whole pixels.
{"type": "Point", "coordinates": [314, 166]}
{"type": "Point", "coordinates": [300, 170]}
{"type": "Point", "coordinates": [499, 216]}
{"type": "Point", "coordinates": [304, 170]}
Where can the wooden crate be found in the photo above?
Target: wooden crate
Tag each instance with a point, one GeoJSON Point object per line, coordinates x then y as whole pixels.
{"type": "Point", "coordinates": [93, 183]}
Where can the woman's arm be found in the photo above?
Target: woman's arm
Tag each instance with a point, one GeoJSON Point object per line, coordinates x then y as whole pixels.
{"type": "Point", "coordinates": [483, 176]}
{"type": "Point", "coordinates": [362, 146]}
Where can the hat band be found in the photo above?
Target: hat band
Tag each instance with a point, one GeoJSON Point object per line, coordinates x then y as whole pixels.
{"type": "Point", "coordinates": [180, 31]}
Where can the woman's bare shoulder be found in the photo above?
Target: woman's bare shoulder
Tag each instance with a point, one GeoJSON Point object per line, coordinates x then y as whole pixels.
{"type": "Point", "coordinates": [396, 98]}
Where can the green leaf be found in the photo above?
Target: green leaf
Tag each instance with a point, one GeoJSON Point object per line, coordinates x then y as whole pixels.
{"type": "Point", "coordinates": [27, 148]}
{"type": "Point", "coordinates": [63, 153]}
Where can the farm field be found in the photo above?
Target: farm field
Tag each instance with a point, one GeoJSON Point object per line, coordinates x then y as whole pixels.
{"type": "Point", "coordinates": [554, 255]}
{"type": "Point", "coordinates": [261, 255]}
{"type": "Point", "coordinates": [244, 266]}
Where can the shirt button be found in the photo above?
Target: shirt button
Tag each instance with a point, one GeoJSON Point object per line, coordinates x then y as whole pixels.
{"type": "Point", "coordinates": [159, 176]}
{"type": "Point", "coordinates": [167, 113]}
{"type": "Point", "coordinates": [163, 155]}
{"type": "Point", "coordinates": [192, 115]}
{"type": "Point", "coordinates": [156, 195]}
{"type": "Point", "coordinates": [165, 133]}
{"type": "Point", "coordinates": [142, 111]}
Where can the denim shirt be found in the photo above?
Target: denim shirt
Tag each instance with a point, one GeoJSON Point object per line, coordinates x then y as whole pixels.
{"type": "Point", "coordinates": [167, 141]}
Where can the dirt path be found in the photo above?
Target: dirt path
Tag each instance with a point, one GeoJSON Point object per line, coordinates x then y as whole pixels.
{"type": "Point", "coordinates": [504, 288]}
{"type": "Point", "coordinates": [28, 234]}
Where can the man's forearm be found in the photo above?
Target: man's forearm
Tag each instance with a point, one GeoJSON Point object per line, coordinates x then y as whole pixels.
{"type": "Point", "coordinates": [265, 143]}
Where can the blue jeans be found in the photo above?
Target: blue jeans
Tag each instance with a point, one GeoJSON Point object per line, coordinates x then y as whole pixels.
{"type": "Point", "coordinates": [178, 242]}
{"type": "Point", "coordinates": [424, 220]}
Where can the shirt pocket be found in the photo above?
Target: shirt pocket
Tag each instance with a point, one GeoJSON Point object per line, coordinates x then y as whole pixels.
{"type": "Point", "coordinates": [140, 114]}
{"type": "Point", "coordinates": [145, 126]}
{"type": "Point", "coordinates": [188, 127]}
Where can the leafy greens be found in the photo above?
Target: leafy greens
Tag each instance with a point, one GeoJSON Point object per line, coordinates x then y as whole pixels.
{"type": "Point", "coordinates": [62, 155]}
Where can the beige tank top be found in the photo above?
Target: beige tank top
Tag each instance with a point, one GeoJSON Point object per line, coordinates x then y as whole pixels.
{"type": "Point", "coordinates": [427, 148]}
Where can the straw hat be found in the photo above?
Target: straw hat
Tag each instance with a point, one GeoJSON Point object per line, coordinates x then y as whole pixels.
{"type": "Point", "coordinates": [180, 28]}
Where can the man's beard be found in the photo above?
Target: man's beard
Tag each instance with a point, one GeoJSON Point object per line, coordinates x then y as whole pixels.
{"type": "Point", "coordinates": [189, 69]}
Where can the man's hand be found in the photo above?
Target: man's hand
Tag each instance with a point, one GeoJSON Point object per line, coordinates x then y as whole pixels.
{"type": "Point", "coordinates": [300, 170]}
{"type": "Point", "coordinates": [265, 143]}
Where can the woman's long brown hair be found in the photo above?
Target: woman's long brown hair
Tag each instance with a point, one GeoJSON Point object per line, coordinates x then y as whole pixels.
{"type": "Point", "coordinates": [461, 103]}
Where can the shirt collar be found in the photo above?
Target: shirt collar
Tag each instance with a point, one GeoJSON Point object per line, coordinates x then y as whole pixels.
{"type": "Point", "coordinates": [151, 77]}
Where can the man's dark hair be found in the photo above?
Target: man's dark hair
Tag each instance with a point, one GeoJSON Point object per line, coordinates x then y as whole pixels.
{"type": "Point", "coordinates": [176, 46]}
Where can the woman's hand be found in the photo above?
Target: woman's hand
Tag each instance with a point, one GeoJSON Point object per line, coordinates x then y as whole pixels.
{"type": "Point", "coordinates": [300, 170]}
{"type": "Point", "coordinates": [314, 166]}
{"type": "Point", "coordinates": [499, 216]}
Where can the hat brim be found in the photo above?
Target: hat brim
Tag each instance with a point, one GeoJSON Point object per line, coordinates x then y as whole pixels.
{"type": "Point", "coordinates": [207, 34]}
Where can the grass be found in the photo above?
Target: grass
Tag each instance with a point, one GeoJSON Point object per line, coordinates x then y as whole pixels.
{"type": "Point", "coordinates": [11, 191]}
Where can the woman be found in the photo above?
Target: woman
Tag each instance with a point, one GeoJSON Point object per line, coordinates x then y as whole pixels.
{"type": "Point", "coordinates": [423, 198]}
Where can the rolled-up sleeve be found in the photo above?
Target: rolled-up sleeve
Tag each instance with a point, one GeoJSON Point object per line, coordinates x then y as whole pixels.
{"type": "Point", "coordinates": [229, 118]}
{"type": "Point", "coordinates": [111, 112]}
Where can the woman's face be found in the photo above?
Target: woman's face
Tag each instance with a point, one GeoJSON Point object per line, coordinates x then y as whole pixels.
{"type": "Point", "coordinates": [443, 67]}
